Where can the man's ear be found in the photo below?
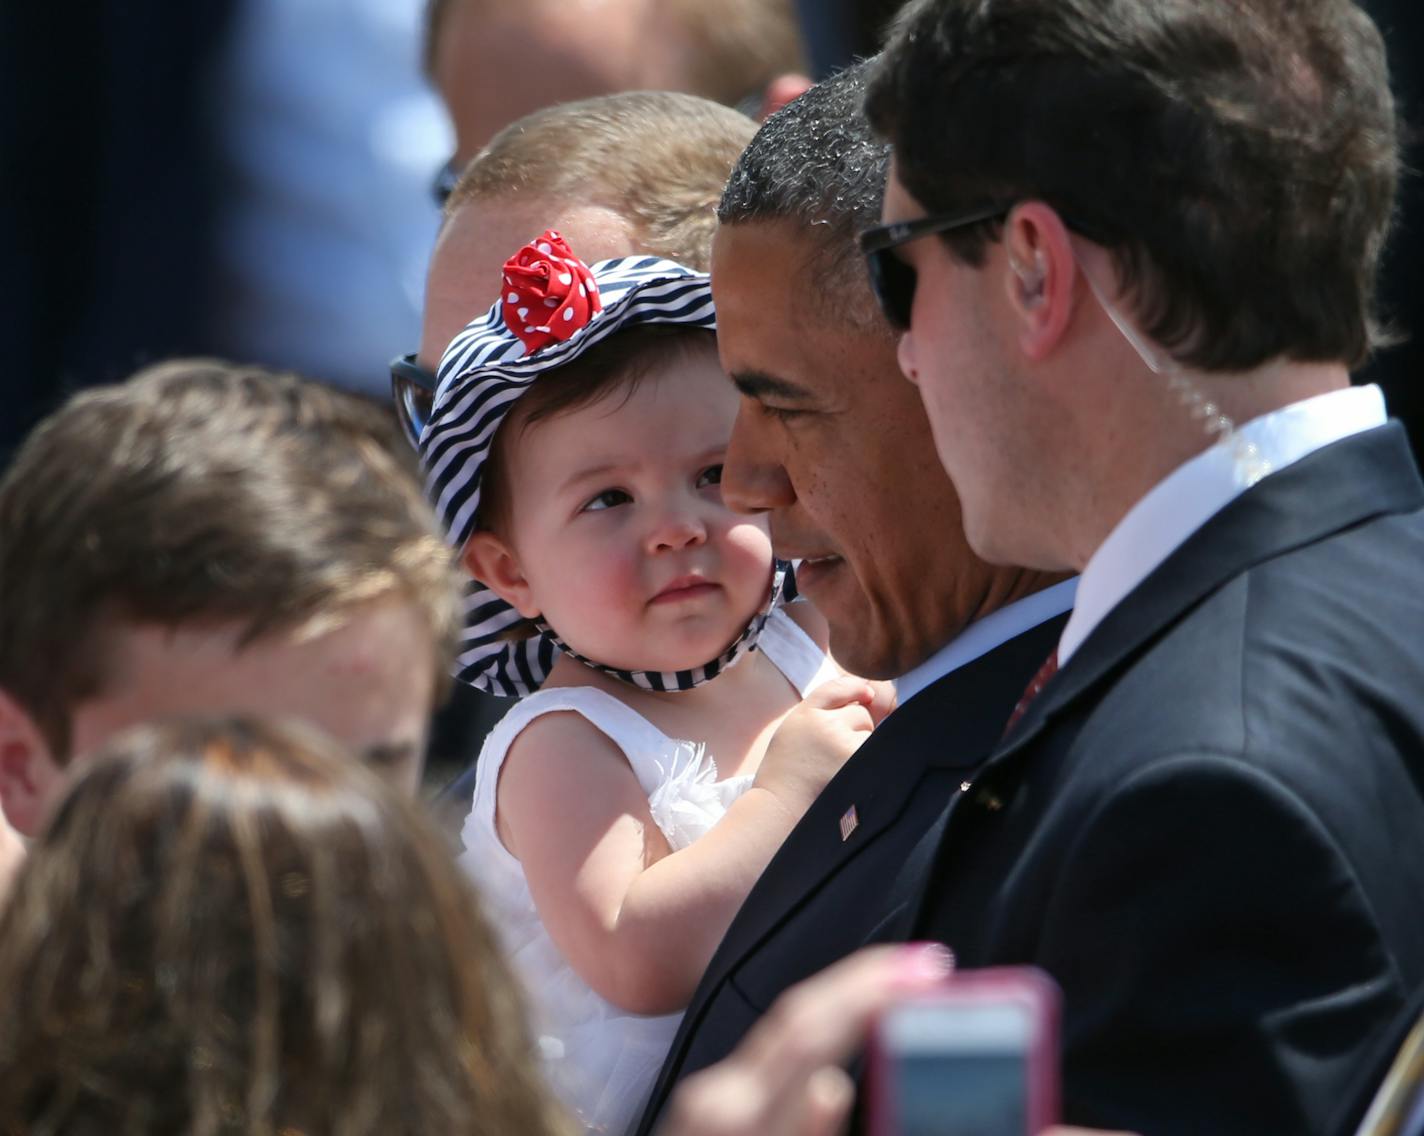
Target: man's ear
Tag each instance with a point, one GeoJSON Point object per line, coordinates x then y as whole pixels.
{"type": "Point", "coordinates": [1039, 277]}
{"type": "Point", "coordinates": [494, 564]}
{"type": "Point", "coordinates": [29, 775]}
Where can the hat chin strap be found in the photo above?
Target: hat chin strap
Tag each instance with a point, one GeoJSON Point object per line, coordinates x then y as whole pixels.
{"type": "Point", "coordinates": [742, 646]}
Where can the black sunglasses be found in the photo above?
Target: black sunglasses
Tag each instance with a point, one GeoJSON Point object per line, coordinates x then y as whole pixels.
{"type": "Point", "coordinates": [413, 391]}
{"type": "Point", "coordinates": [443, 184]}
{"type": "Point", "coordinates": [891, 279]}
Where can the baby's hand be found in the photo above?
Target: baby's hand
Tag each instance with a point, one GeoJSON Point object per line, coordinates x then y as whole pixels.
{"type": "Point", "coordinates": [817, 738]}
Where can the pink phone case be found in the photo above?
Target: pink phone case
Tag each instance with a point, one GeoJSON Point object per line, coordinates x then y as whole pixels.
{"type": "Point", "coordinates": [1024, 985]}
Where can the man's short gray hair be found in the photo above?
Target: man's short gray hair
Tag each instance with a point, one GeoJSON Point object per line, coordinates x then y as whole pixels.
{"type": "Point", "coordinates": [818, 163]}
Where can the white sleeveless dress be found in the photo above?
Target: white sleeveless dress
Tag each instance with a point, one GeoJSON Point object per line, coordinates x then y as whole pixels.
{"type": "Point", "coordinates": [599, 1059]}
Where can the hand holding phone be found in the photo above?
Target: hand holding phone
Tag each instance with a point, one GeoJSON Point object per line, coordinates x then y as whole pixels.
{"type": "Point", "coordinates": [978, 1056]}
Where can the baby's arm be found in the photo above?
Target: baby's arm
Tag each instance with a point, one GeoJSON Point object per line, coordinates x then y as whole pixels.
{"type": "Point", "coordinates": [637, 921]}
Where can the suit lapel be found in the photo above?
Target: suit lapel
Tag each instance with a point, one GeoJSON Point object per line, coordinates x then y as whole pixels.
{"type": "Point", "coordinates": [951, 725]}
{"type": "Point", "coordinates": [1368, 475]}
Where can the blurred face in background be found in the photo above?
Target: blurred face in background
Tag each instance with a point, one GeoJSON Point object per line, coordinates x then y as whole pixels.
{"type": "Point", "coordinates": [369, 683]}
{"type": "Point", "coordinates": [495, 61]}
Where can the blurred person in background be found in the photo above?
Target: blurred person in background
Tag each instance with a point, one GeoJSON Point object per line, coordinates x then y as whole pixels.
{"type": "Point", "coordinates": [616, 174]}
{"type": "Point", "coordinates": [209, 538]}
{"type": "Point", "coordinates": [108, 199]}
{"type": "Point", "coordinates": [494, 61]}
{"type": "Point", "coordinates": [245, 178]}
{"type": "Point", "coordinates": [327, 138]}
{"type": "Point", "coordinates": [231, 926]}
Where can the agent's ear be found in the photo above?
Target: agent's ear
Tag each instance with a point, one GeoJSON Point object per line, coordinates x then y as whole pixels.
{"type": "Point", "coordinates": [494, 563]}
{"type": "Point", "coordinates": [30, 778]}
{"type": "Point", "coordinates": [1040, 276]}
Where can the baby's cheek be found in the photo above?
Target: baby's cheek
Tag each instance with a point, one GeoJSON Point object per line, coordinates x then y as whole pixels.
{"type": "Point", "coordinates": [747, 556]}
{"type": "Point", "coordinates": [591, 613]}
{"type": "Point", "coordinates": [750, 542]}
{"type": "Point", "coordinates": [609, 586]}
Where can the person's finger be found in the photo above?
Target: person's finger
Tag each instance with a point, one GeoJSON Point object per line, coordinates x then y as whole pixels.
{"type": "Point", "coordinates": [856, 717]}
{"type": "Point", "coordinates": [843, 690]}
{"type": "Point", "coordinates": [883, 702]}
{"type": "Point", "coordinates": [830, 1093]}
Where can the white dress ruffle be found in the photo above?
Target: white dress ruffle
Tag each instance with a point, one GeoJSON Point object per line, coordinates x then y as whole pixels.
{"type": "Point", "coordinates": [599, 1059]}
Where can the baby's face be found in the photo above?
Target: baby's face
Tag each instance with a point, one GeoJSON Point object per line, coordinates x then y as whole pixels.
{"type": "Point", "coordinates": [620, 531]}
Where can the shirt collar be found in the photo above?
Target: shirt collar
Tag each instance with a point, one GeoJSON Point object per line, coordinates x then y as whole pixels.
{"type": "Point", "coordinates": [1200, 488]}
{"type": "Point", "coordinates": [983, 635]}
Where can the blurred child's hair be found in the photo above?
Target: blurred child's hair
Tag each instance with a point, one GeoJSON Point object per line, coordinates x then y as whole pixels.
{"type": "Point", "coordinates": [206, 491]}
{"type": "Point", "coordinates": [231, 927]}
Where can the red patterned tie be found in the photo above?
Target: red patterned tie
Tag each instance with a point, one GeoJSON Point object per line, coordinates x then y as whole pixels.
{"type": "Point", "coordinates": [1045, 672]}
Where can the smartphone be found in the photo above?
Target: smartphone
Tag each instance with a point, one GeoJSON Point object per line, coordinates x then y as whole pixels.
{"type": "Point", "coordinates": [977, 1057]}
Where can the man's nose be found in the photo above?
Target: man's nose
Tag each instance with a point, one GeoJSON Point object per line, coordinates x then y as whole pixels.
{"type": "Point", "coordinates": [753, 478]}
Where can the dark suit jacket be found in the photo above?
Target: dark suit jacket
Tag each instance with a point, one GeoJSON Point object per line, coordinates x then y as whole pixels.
{"type": "Point", "coordinates": [822, 897]}
{"type": "Point", "coordinates": [1211, 823]}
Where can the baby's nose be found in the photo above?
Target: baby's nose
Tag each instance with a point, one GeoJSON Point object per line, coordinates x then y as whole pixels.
{"type": "Point", "coordinates": [676, 528]}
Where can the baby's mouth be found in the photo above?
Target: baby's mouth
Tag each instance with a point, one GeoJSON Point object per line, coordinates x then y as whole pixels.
{"type": "Point", "coordinates": [685, 588]}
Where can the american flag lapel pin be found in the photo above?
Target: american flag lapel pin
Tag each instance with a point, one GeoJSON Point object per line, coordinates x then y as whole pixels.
{"type": "Point", "coordinates": [849, 823]}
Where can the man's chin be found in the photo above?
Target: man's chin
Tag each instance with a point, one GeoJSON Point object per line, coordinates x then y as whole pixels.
{"type": "Point", "coordinates": [859, 641]}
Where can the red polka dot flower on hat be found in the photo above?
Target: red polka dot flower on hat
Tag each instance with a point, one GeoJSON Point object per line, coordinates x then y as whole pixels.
{"type": "Point", "coordinates": [549, 293]}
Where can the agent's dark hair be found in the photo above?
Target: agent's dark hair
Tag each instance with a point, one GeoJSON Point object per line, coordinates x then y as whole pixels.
{"type": "Point", "coordinates": [230, 927]}
{"type": "Point", "coordinates": [818, 163]}
{"type": "Point", "coordinates": [1238, 156]}
{"type": "Point", "coordinates": [205, 491]}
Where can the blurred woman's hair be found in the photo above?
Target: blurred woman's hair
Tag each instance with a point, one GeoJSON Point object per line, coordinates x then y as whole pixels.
{"type": "Point", "coordinates": [231, 927]}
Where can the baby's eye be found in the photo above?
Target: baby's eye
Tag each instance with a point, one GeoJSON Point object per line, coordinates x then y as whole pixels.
{"type": "Point", "coordinates": [712, 475]}
{"type": "Point", "coordinates": [606, 500]}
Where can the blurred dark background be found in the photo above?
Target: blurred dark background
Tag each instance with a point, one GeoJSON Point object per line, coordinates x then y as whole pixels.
{"type": "Point", "coordinates": [237, 177]}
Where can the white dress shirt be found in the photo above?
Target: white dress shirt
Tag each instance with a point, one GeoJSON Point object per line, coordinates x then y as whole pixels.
{"type": "Point", "coordinates": [1197, 490]}
{"type": "Point", "coordinates": [983, 635]}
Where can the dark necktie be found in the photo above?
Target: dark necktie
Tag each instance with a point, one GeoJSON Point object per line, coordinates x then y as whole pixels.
{"type": "Point", "coordinates": [1040, 680]}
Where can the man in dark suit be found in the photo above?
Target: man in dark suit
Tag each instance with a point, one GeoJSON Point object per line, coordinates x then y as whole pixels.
{"type": "Point", "coordinates": [1133, 248]}
{"type": "Point", "coordinates": [833, 445]}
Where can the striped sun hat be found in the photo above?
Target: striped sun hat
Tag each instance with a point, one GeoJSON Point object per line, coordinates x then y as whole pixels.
{"type": "Point", "coordinates": [552, 309]}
